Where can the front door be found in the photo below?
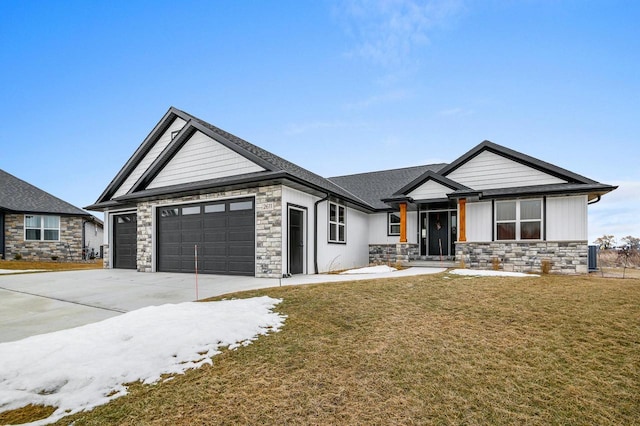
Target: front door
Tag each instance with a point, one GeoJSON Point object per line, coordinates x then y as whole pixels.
{"type": "Point", "coordinates": [438, 233]}
{"type": "Point", "coordinates": [296, 241]}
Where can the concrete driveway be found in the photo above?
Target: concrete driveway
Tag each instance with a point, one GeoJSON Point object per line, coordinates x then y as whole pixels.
{"type": "Point", "coordinates": [43, 302]}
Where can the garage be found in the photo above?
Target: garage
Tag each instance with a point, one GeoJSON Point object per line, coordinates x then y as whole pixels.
{"type": "Point", "coordinates": [125, 241]}
{"type": "Point", "coordinates": [222, 231]}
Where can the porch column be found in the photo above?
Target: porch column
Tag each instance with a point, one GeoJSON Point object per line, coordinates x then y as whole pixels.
{"type": "Point", "coordinates": [462, 206]}
{"type": "Point", "coordinates": [403, 222]}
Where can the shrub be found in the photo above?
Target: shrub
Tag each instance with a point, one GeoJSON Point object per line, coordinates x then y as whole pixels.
{"type": "Point", "coordinates": [17, 256]}
{"type": "Point", "coordinates": [495, 263]}
{"type": "Point", "coordinates": [545, 266]}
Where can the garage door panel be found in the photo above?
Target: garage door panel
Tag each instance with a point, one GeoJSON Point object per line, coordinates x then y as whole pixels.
{"type": "Point", "coordinates": [125, 232]}
{"type": "Point", "coordinates": [223, 231]}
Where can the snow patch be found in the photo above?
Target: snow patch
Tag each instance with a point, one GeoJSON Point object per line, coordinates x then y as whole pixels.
{"type": "Point", "coordinates": [379, 269]}
{"type": "Point", "coordinates": [483, 273]}
{"type": "Point", "coordinates": [80, 368]}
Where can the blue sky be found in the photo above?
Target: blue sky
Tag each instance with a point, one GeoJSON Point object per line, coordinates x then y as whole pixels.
{"type": "Point", "coordinates": [338, 87]}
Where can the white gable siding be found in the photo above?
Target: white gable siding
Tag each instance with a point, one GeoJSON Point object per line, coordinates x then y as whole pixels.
{"type": "Point", "coordinates": [430, 190]}
{"type": "Point", "coordinates": [202, 158]}
{"type": "Point", "coordinates": [567, 218]}
{"type": "Point", "coordinates": [479, 222]}
{"type": "Point", "coordinates": [378, 229]}
{"type": "Point", "coordinates": [488, 170]}
{"type": "Point", "coordinates": [153, 153]}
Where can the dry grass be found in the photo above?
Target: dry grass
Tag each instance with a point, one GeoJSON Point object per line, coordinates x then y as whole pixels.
{"type": "Point", "coordinates": [26, 414]}
{"type": "Point", "coordinates": [612, 264]}
{"type": "Point", "coordinates": [419, 350]}
{"type": "Point", "coordinates": [50, 265]}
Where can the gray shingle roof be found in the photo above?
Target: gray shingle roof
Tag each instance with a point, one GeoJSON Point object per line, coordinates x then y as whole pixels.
{"type": "Point", "coordinates": [376, 186]}
{"type": "Point", "coordinates": [17, 195]}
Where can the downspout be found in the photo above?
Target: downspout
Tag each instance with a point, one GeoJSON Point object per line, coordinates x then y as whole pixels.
{"type": "Point", "coordinates": [82, 252]}
{"type": "Point", "coordinates": [315, 232]}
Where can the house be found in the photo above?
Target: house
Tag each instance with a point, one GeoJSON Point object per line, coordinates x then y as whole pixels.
{"type": "Point", "coordinates": [191, 188]}
{"type": "Point", "coordinates": [38, 226]}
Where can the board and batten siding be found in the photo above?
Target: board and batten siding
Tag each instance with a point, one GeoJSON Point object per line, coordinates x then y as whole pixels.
{"type": "Point", "coordinates": [378, 229]}
{"type": "Point", "coordinates": [153, 153]}
{"type": "Point", "coordinates": [430, 190]}
{"type": "Point", "coordinates": [479, 221]}
{"type": "Point", "coordinates": [203, 158]}
{"type": "Point", "coordinates": [490, 171]}
{"type": "Point", "coordinates": [298, 199]}
{"type": "Point", "coordinates": [566, 218]}
{"type": "Point", "coordinates": [354, 253]}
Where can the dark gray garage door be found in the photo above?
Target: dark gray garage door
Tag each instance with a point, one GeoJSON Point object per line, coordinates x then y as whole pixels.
{"type": "Point", "coordinates": [223, 231]}
{"type": "Point", "coordinates": [125, 242]}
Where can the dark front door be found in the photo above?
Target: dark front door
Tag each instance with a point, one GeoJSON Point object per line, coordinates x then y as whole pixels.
{"type": "Point", "coordinates": [438, 232]}
{"type": "Point", "coordinates": [125, 241]}
{"type": "Point", "coordinates": [223, 232]}
{"type": "Point", "coordinates": [296, 241]}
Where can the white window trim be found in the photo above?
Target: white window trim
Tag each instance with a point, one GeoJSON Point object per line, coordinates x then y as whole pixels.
{"type": "Point", "coordinates": [42, 227]}
{"type": "Point", "coordinates": [518, 221]}
{"type": "Point", "coordinates": [389, 224]}
{"type": "Point", "coordinates": [337, 223]}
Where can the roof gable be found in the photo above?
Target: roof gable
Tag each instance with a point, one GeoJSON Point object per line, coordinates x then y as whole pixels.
{"type": "Point", "coordinates": [19, 196]}
{"type": "Point", "coordinates": [259, 163]}
{"type": "Point", "coordinates": [430, 185]}
{"type": "Point", "coordinates": [489, 165]}
{"type": "Point", "coordinates": [202, 158]}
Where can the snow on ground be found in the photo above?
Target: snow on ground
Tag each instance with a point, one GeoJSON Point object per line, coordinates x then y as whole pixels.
{"type": "Point", "coordinates": [379, 269]}
{"type": "Point", "coordinates": [80, 368]}
{"type": "Point", "coordinates": [482, 273]}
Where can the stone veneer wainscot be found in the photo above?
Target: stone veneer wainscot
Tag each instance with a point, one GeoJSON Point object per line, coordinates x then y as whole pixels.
{"type": "Point", "coordinates": [566, 257]}
{"type": "Point", "coordinates": [268, 227]}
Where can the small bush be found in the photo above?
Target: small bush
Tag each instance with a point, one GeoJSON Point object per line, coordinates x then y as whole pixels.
{"type": "Point", "coordinates": [54, 258]}
{"type": "Point", "coordinates": [495, 263]}
{"type": "Point", "coordinates": [17, 256]}
{"type": "Point", "coordinates": [545, 266]}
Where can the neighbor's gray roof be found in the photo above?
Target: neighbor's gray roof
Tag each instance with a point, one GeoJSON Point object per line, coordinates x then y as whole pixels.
{"type": "Point", "coordinates": [376, 186]}
{"type": "Point", "coordinates": [17, 195]}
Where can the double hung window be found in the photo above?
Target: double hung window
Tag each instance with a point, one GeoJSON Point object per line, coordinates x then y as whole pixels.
{"type": "Point", "coordinates": [337, 223]}
{"type": "Point", "coordinates": [393, 223]}
{"type": "Point", "coordinates": [519, 220]}
{"type": "Point", "coordinates": [41, 228]}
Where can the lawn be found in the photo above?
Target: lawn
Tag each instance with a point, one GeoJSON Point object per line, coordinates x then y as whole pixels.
{"type": "Point", "coordinates": [49, 265]}
{"type": "Point", "coordinates": [438, 349]}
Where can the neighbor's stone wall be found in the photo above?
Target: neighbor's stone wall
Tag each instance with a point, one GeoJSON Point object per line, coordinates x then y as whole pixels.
{"type": "Point", "coordinates": [68, 248]}
{"type": "Point", "coordinates": [105, 256]}
{"type": "Point", "coordinates": [566, 257]}
{"type": "Point", "coordinates": [268, 227]}
{"type": "Point", "coordinates": [392, 253]}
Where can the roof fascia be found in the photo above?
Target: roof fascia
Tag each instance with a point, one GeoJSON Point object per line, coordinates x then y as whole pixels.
{"type": "Point", "coordinates": [426, 176]}
{"type": "Point", "coordinates": [597, 189]}
{"type": "Point", "coordinates": [178, 142]}
{"type": "Point", "coordinates": [519, 157]}
{"type": "Point", "coordinates": [142, 150]}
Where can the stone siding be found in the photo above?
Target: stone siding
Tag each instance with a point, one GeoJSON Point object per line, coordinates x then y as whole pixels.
{"type": "Point", "coordinates": [268, 227]}
{"type": "Point", "coordinates": [68, 248]}
{"type": "Point", "coordinates": [392, 253]}
{"type": "Point", "coordinates": [565, 257]}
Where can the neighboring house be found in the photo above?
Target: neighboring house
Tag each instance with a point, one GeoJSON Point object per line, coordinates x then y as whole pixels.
{"type": "Point", "coordinates": [93, 236]}
{"type": "Point", "coordinates": [38, 226]}
{"type": "Point", "coordinates": [192, 187]}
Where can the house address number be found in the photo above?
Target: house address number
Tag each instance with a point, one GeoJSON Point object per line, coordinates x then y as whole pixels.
{"type": "Point", "coordinates": [266, 206]}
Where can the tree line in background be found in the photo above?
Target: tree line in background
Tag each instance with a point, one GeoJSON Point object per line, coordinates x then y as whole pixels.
{"type": "Point", "coordinates": [608, 242]}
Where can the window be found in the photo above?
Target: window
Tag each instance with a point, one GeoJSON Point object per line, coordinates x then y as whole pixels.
{"type": "Point", "coordinates": [241, 205]}
{"type": "Point", "coordinates": [337, 216]}
{"type": "Point", "coordinates": [519, 220]}
{"type": "Point", "coordinates": [190, 210]}
{"type": "Point", "coordinates": [393, 223]}
{"type": "Point", "coordinates": [41, 228]}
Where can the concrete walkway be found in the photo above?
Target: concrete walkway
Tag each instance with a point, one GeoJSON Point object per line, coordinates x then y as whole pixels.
{"type": "Point", "coordinates": [43, 302]}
